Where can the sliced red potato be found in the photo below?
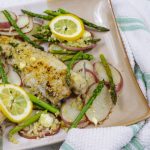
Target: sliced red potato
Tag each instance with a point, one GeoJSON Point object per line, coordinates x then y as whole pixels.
{"type": "Point", "coordinates": [29, 27]}
{"type": "Point", "coordinates": [84, 124]}
{"type": "Point", "coordinates": [13, 77]}
{"type": "Point", "coordinates": [23, 21]}
{"type": "Point", "coordinates": [80, 125]}
{"type": "Point", "coordinates": [101, 75]}
{"type": "Point", "coordinates": [100, 107]}
{"type": "Point", "coordinates": [37, 130]}
{"type": "Point", "coordinates": [26, 29]}
{"type": "Point", "coordinates": [70, 110]}
{"type": "Point", "coordinates": [88, 76]}
{"type": "Point", "coordinates": [4, 23]}
{"type": "Point", "coordinates": [83, 64]}
{"type": "Point", "coordinates": [4, 26]}
{"type": "Point", "coordinates": [85, 69]}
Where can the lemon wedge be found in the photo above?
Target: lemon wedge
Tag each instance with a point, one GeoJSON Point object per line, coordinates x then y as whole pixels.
{"type": "Point", "coordinates": [14, 102]}
{"type": "Point", "coordinates": [67, 27]}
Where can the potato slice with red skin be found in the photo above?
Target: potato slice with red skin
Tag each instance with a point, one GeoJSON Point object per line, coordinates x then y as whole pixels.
{"type": "Point", "coordinates": [101, 75]}
{"type": "Point", "coordinates": [4, 23]}
{"type": "Point", "coordinates": [101, 106]}
{"type": "Point", "coordinates": [70, 110]}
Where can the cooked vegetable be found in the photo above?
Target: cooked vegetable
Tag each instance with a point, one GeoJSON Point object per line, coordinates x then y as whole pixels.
{"type": "Point", "coordinates": [62, 52]}
{"type": "Point", "coordinates": [43, 31]}
{"type": "Point", "coordinates": [70, 110]}
{"type": "Point", "coordinates": [47, 125]}
{"type": "Point", "coordinates": [70, 64]}
{"type": "Point", "coordinates": [101, 75]}
{"type": "Point", "coordinates": [52, 13]}
{"type": "Point", "coordinates": [43, 104]}
{"type": "Point", "coordinates": [96, 92]}
{"type": "Point", "coordinates": [85, 69]}
{"type": "Point", "coordinates": [93, 40]}
{"type": "Point", "coordinates": [45, 17]}
{"type": "Point", "coordinates": [87, 23]}
{"type": "Point", "coordinates": [40, 37]}
{"type": "Point", "coordinates": [84, 56]}
{"type": "Point", "coordinates": [83, 64]}
{"type": "Point", "coordinates": [101, 106]}
{"type": "Point", "coordinates": [72, 48]}
{"type": "Point", "coordinates": [13, 23]}
{"type": "Point", "coordinates": [88, 75]}
{"type": "Point", "coordinates": [3, 74]}
{"type": "Point", "coordinates": [111, 81]}
{"type": "Point", "coordinates": [23, 125]}
{"type": "Point", "coordinates": [22, 21]}
{"type": "Point", "coordinates": [29, 27]}
{"type": "Point", "coordinates": [4, 23]}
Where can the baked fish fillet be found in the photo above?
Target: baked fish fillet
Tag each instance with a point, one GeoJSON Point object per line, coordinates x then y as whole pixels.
{"type": "Point", "coordinates": [41, 72]}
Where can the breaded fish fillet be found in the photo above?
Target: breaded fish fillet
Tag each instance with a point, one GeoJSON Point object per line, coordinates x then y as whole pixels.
{"type": "Point", "coordinates": [40, 71]}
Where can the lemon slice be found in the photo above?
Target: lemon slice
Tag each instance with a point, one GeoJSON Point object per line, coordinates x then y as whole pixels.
{"type": "Point", "coordinates": [67, 27]}
{"type": "Point", "coordinates": [14, 102]}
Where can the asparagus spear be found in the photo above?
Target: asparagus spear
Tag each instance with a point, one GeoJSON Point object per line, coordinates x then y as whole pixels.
{"type": "Point", "coordinates": [88, 104]}
{"type": "Point", "coordinates": [43, 104]}
{"type": "Point", "coordinates": [109, 74]}
{"type": "Point", "coordinates": [32, 14]}
{"type": "Point", "coordinates": [70, 64]}
{"type": "Point", "coordinates": [62, 52]}
{"type": "Point", "coordinates": [3, 74]}
{"type": "Point", "coordinates": [40, 37]}
{"type": "Point", "coordinates": [93, 40]}
{"type": "Point", "coordinates": [23, 125]}
{"type": "Point", "coordinates": [13, 23]}
{"type": "Point", "coordinates": [86, 22]}
{"type": "Point", "coordinates": [82, 57]}
{"type": "Point", "coordinates": [52, 13]}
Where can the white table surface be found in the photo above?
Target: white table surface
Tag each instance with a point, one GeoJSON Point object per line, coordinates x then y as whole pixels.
{"type": "Point", "coordinates": [5, 4]}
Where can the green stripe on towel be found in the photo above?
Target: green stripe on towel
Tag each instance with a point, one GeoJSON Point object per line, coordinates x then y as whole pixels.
{"type": "Point", "coordinates": [66, 146]}
{"type": "Point", "coordinates": [135, 142]}
{"type": "Point", "coordinates": [147, 80]}
{"type": "Point", "coordinates": [127, 147]}
{"type": "Point", "coordinates": [134, 145]}
{"type": "Point", "coordinates": [133, 28]}
{"type": "Point", "coordinates": [129, 20]}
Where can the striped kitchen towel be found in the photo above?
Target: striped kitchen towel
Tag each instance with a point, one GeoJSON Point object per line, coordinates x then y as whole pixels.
{"type": "Point", "coordinates": [133, 18]}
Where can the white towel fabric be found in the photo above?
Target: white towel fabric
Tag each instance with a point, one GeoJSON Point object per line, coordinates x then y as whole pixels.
{"type": "Point", "coordinates": [133, 17]}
